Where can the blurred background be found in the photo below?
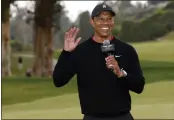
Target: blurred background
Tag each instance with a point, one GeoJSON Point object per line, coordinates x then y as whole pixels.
{"type": "Point", "coordinates": [32, 40]}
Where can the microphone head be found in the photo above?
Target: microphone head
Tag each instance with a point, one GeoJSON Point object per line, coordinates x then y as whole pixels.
{"type": "Point", "coordinates": [107, 47]}
{"type": "Point", "coordinates": [106, 42]}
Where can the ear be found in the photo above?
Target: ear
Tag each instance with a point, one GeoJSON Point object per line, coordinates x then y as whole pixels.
{"type": "Point", "coordinates": [92, 22]}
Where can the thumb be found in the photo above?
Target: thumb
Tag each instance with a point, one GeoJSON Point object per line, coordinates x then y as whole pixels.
{"type": "Point", "coordinates": [78, 40]}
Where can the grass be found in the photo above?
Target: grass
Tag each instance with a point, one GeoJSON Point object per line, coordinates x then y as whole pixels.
{"type": "Point", "coordinates": [155, 71]}
{"type": "Point", "coordinates": [147, 105]}
{"type": "Point", "coordinates": [29, 89]}
{"type": "Point", "coordinates": [156, 51]}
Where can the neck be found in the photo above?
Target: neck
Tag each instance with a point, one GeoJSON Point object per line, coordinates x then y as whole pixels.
{"type": "Point", "coordinates": [100, 39]}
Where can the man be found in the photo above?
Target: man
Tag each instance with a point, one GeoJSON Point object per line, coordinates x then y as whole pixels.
{"type": "Point", "coordinates": [103, 94]}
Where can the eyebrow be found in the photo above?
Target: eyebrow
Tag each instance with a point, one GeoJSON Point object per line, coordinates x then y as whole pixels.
{"type": "Point", "coordinates": [104, 16]}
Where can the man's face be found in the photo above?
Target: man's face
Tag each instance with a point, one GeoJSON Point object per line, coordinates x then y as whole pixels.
{"type": "Point", "coordinates": [103, 23]}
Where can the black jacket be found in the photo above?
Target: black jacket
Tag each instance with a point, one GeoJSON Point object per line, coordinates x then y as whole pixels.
{"type": "Point", "coordinates": [101, 92]}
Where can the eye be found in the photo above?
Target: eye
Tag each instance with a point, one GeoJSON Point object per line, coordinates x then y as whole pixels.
{"type": "Point", "coordinates": [100, 18]}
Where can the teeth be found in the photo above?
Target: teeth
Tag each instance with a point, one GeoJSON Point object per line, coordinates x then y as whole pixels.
{"type": "Point", "coordinates": [104, 28]}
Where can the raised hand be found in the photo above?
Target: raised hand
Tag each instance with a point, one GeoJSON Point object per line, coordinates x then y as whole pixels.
{"type": "Point", "coordinates": [69, 39]}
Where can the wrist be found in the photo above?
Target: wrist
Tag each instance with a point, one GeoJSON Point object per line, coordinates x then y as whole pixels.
{"type": "Point", "coordinates": [66, 50]}
{"type": "Point", "coordinates": [122, 73]}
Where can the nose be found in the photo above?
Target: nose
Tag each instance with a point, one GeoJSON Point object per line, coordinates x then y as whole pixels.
{"type": "Point", "coordinates": [105, 22]}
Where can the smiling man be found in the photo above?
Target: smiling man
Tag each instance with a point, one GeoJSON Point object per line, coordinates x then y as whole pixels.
{"type": "Point", "coordinates": [103, 94]}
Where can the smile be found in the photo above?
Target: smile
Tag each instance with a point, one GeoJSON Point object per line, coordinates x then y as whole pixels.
{"type": "Point", "coordinates": [105, 28]}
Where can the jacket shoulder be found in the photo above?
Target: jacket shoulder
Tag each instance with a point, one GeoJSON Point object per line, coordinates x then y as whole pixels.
{"type": "Point", "coordinates": [83, 45]}
{"type": "Point", "coordinates": [127, 46]}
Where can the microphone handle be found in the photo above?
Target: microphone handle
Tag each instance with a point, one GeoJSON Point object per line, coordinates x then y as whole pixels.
{"type": "Point", "coordinates": [109, 53]}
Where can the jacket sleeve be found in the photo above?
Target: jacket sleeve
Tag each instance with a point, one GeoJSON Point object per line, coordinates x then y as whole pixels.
{"type": "Point", "coordinates": [134, 79]}
{"type": "Point", "coordinates": [65, 69]}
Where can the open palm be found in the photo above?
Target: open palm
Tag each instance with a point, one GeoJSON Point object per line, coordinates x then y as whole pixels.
{"type": "Point", "coordinates": [69, 40]}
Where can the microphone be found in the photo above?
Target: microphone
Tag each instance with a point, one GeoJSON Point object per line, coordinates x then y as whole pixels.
{"type": "Point", "coordinates": [108, 49]}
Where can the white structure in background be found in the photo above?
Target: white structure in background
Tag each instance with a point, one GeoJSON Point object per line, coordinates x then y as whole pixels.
{"type": "Point", "coordinates": [20, 63]}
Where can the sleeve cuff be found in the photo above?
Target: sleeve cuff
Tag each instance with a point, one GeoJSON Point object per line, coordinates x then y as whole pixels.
{"type": "Point", "coordinates": [65, 53]}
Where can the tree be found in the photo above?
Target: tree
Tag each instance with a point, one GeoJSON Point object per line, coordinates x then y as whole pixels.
{"type": "Point", "coordinates": [86, 29]}
{"type": "Point", "coordinates": [6, 50]}
{"type": "Point", "coordinates": [169, 6]}
{"type": "Point", "coordinates": [20, 30]}
{"type": "Point", "coordinates": [124, 5]}
{"type": "Point", "coordinates": [65, 24]}
{"type": "Point", "coordinates": [156, 2]}
{"type": "Point", "coordinates": [43, 42]}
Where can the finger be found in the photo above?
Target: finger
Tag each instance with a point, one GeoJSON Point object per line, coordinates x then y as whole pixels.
{"type": "Point", "coordinates": [78, 40]}
{"type": "Point", "coordinates": [109, 57]}
{"type": "Point", "coordinates": [70, 32]}
{"type": "Point", "coordinates": [110, 63]}
{"type": "Point", "coordinates": [110, 60]}
{"type": "Point", "coordinates": [110, 66]}
{"type": "Point", "coordinates": [66, 35]}
{"type": "Point", "coordinates": [75, 33]}
{"type": "Point", "coordinates": [107, 64]}
{"type": "Point", "coordinates": [74, 30]}
{"type": "Point", "coordinates": [113, 63]}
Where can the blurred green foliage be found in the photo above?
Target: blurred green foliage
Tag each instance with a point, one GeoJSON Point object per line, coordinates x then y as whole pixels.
{"type": "Point", "coordinates": [148, 28]}
{"type": "Point", "coordinates": [151, 28]}
{"type": "Point", "coordinates": [17, 46]}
